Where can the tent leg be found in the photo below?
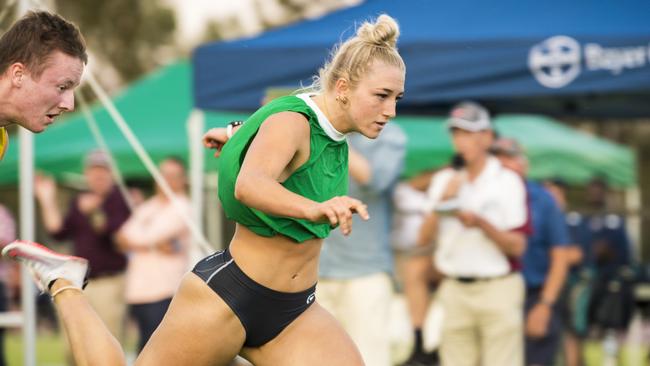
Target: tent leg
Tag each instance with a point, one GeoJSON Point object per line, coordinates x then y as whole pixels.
{"type": "Point", "coordinates": [195, 126]}
{"type": "Point", "coordinates": [26, 194]}
{"type": "Point", "coordinates": [214, 212]}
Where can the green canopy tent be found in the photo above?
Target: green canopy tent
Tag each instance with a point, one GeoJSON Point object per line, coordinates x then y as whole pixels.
{"type": "Point", "coordinates": [157, 106]}
{"type": "Point", "coordinates": [554, 149]}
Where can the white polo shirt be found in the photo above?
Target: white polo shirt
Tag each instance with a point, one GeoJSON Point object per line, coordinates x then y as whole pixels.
{"type": "Point", "coordinates": [499, 196]}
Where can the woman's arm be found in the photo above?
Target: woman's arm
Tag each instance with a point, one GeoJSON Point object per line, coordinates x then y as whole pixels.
{"type": "Point", "coordinates": [280, 147]}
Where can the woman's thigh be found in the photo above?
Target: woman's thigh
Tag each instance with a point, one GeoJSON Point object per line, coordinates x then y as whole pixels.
{"type": "Point", "coordinates": [198, 329]}
{"type": "Point", "coordinates": [315, 338]}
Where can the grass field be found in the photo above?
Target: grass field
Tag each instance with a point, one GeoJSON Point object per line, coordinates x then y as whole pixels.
{"type": "Point", "coordinates": [50, 351]}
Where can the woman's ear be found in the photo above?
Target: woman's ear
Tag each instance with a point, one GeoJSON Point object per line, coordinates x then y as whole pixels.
{"type": "Point", "coordinates": [342, 88]}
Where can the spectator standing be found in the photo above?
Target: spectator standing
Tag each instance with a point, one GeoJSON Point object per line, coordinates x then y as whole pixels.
{"type": "Point", "coordinates": [156, 240]}
{"type": "Point", "coordinates": [479, 214]}
{"type": "Point", "coordinates": [544, 263]}
{"type": "Point", "coordinates": [92, 220]}
{"type": "Point", "coordinates": [355, 271]}
{"type": "Point", "coordinates": [575, 295]}
{"type": "Point", "coordinates": [410, 204]}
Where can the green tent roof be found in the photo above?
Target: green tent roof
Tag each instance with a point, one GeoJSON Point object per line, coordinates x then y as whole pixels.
{"type": "Point", "coordinates": [157, 107]}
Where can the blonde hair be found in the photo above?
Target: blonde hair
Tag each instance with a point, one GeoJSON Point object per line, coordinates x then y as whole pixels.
{"type": "Point", "coordinates": [350, 59]}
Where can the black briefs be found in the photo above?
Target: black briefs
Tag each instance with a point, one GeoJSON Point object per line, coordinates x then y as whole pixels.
{"type": "Point", "coordinates": [263, 312]}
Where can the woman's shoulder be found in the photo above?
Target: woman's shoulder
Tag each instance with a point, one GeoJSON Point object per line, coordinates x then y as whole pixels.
{"type": "Point", "coordinates": [288, 102]}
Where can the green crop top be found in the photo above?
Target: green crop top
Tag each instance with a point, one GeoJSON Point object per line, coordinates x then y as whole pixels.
{"type": "Point", "coordinates": [322, 177]}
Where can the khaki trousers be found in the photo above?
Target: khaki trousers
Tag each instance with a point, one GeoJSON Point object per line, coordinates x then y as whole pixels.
{"type": "Point", "coordinates": [362, 306]}
{"type": "Point", "coordinates": [483, 323]}
{"type": "Point", "coordinates": [106, 296]}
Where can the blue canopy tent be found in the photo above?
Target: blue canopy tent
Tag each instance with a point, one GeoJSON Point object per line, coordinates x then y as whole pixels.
{"type": "Point", "coordinates": [516, 56]}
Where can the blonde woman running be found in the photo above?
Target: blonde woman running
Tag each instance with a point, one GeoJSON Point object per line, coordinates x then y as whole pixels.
{"type": "Point", "coordinates": [283, 179]}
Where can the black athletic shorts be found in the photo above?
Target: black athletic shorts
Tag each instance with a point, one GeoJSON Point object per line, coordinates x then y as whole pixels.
{"type": "Point", "coordinates": [263, 312]}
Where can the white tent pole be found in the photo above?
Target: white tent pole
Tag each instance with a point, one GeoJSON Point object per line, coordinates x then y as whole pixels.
{"type": "Point", "coordinates": [195, 126]}
{"type": "Point", "coordinates": [214, 211]}
{"type": "Point", "coordinates": [26, 194]}
{"type": "Point", "coordinates": [101, 142]}
{"type": "Point", "coordinates": [146, 160]}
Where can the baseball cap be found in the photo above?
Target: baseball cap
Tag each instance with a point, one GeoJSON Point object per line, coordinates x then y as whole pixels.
{"type": "Point", "coordinates": [97, 157]}
{"type": "Point", "coordinates": [469, 116]}
{"type": "Point", "coordinates": [506, 146]}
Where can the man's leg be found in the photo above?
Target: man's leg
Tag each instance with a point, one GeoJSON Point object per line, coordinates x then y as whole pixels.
{"type": "Point", "coordinates": [328, 293]}
{"type": "Point", "coordinates": [365, 309]}
{"type": "Point", "coordinates": [501, 309]}
{"type": "Point", "coordinates": [459, 344]}
{"type": "Point", "coordinates": [106, 296]}
{"type": "Point", "coordinates": [417, 274]}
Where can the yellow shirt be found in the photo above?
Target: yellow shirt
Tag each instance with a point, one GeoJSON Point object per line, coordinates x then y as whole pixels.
{"type": "Point", "coordinates": [4, 141]}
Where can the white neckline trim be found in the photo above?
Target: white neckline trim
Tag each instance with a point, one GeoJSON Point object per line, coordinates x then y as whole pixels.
{"type": "Point", "coordinates": [324, 123]}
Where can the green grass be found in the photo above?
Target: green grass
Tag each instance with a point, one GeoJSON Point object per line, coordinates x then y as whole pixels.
{"type": "Point", "coordinates": [51, 347]}
{"type": "Point", "coordinates": [50, 350]}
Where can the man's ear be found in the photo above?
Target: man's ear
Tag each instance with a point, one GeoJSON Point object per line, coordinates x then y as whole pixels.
{"type": "Point", "coordinates": [17, 72]}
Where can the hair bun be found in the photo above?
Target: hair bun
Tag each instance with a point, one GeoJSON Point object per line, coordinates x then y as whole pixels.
{"type": "Point", "coordinates": [383, 32]}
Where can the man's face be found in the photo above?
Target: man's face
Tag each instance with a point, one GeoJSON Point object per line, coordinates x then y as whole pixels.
{"type": "Point", "coordinates": [174, 174]}
{"type": "Point", "coordinates": [42, 98]}
{"type": "Point", "coordinates": [515, 162]}
{"type": "Point", "coordinates": [99, 179]}
{"type": "Point", "coordinates": [472, 146]}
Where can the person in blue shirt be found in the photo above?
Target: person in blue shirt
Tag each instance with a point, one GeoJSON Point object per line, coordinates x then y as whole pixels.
{"type": "Point", "coordinates": [355, 271]}
{"type": "Point", "coordinates": [574, 300]}
{"type": "Point", "coordinates": [544, 263]}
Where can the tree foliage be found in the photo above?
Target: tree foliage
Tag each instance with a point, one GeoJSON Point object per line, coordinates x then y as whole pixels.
{"type": "Point", "coordinates": [130, 35]}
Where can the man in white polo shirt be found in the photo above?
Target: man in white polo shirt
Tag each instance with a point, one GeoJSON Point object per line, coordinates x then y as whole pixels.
{"type": "Point", "coordinates": [479, 216]}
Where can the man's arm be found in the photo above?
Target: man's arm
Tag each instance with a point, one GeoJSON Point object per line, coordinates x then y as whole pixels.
{"type": "Point", "coordinates": [152, 227]}
{"type": "Point", "coordinates": [511, 243]}
{"type": "Point", "coordinates": [556, 230]}
{"type": "Point", "coordinates": [556, 276]}
{"type": "Point", "coordinates": [45, 191]}
{"type": "Point", "coordinates": [428, 230]}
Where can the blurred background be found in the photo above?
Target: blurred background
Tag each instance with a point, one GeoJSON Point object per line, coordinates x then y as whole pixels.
{"type": "Point", "coordinates": [569, 80]}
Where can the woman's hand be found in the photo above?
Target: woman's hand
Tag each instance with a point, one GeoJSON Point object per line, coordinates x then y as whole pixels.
{"type": "Point", "coordinates": [215, 138]}
{"type": "Point", "coordinates": [338, 211]}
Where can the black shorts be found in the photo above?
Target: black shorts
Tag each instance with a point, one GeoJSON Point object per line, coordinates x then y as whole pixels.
{"type": "Point", "coordinates": [263, 312]}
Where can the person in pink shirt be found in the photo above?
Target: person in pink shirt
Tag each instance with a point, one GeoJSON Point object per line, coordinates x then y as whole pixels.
{"type": "Point", "coordinates": [156, 241]}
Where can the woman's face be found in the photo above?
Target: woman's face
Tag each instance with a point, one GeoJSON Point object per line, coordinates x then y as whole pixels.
{"type": "Point", "coordinates": [373, 101]}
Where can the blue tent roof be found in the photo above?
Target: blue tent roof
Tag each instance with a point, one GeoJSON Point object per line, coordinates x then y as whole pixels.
{"type": "Point", "coordinates": [452, 49]}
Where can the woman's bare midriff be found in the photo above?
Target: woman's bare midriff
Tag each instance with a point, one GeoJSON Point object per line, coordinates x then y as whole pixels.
{"type": "Point", "coordinates": [278, 262]}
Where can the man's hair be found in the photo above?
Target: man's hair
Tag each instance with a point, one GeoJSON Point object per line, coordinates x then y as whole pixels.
{"type": "Point", "coordinates": [35, 37]}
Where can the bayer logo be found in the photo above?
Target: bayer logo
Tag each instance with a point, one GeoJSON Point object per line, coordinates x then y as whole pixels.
{"type": "Point", "coordinates": [555, 62]}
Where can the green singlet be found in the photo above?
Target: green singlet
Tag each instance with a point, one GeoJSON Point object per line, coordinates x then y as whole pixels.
{"type": "Point", "coordinates": [322, 177]}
